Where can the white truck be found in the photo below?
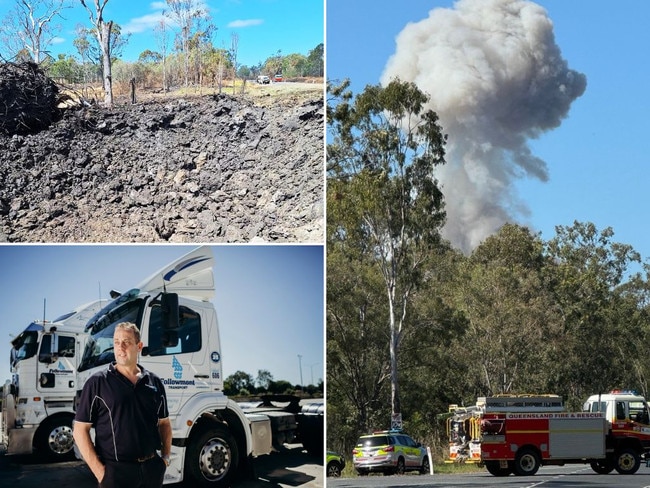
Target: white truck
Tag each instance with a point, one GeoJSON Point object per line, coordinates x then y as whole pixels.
{"type": "Point", "coordinates": [37, 404]}
{"type": "Point", "coordinates": [213, 438]}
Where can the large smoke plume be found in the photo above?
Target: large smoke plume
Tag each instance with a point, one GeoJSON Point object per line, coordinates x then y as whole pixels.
{"type": "Point", "coordinates": [496, 78]}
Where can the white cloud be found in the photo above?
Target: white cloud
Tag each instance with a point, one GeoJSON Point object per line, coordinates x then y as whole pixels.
{"type": "Point", "coordinates": [144, 23]}
{"type": "Point", "coordinates": [245, 23]}
{"type": "Point", "coordinates": [57, 40]}
{"type": "Point", "coordinates": [158, 5]}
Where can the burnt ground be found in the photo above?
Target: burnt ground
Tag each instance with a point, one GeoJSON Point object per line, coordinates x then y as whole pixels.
{"type": "Point", "coordinates": [215, 168]}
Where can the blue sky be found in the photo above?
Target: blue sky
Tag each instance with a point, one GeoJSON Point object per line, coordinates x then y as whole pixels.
{"type": "Point", "coordinates": [269, 299]}
{"type": "Point", "coordinates": [263, 26]}
{"type": "Point", "coordinates": [597, 159]}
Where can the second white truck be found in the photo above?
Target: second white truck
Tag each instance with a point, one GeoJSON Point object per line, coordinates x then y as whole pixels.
{"type": "Point", "coordinates": [37, 404]}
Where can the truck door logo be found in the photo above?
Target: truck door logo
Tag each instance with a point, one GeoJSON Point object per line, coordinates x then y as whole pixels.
{"type": "Point", "coordinates": [215, 357]}
{"type": "Point", "coordinates": [178, 368]}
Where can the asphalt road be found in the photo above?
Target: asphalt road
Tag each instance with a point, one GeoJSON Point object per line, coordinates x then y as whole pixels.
{"type": "Point", "coordinates": [570, 476]}
{"type": "Point", "coordinates": [291, 467]}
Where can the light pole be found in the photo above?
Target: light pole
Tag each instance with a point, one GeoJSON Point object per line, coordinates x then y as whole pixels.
{"type": "Point", "coordinates": [311, 367]}
{"type": "Point", "coordinates": [300, 365]}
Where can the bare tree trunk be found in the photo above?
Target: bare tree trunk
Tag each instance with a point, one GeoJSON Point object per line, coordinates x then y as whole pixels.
{"type": "Point", "coordinates": [106, 62]}
{"type": "Point", "coordinates": [103, 30]}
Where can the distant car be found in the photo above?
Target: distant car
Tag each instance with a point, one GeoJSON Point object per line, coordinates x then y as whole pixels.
{"type": "Point", "coordinates": [335, 464]}
{"type": "Point", "coordinates": [390, 452]}
{"type": "Point", "coordinates": [277, 78]}
{"type": "Point", "coordinates": [263, 80]}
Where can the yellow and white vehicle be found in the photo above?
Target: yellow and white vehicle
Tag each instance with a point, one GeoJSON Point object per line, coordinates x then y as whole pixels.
{"type": "Point", "coordinates": [390, 452]}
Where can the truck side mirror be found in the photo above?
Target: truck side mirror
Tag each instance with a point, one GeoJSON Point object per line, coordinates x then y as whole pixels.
{"type": "Point", "coordinates": [170, 313]}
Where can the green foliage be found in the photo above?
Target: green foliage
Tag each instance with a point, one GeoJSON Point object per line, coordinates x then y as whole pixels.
{"type": "Point", "coordinates": [384, 214]}
{"type": "Point", "coordinates": [518, 315]}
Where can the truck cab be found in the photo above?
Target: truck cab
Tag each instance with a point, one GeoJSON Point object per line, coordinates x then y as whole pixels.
{"type": "Point", "coordinates": [37, 407]}
{"type": "Point", "coordinates": [212, 438]}
{"type": "Point", "coordinates": [619, 406]}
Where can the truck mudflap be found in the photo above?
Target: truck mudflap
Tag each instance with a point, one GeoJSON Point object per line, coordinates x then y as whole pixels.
{"type": "Point", "coordinates": [311, 428]}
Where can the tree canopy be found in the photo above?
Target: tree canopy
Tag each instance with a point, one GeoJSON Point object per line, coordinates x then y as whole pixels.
{"type": "Point", "coordinates": [519, 314]}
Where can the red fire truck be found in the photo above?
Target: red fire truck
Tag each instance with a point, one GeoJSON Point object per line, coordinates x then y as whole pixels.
{"type": "Point", "coordinates": [464, 423]}
{"type": "Point", "coordinates": [611, 433]}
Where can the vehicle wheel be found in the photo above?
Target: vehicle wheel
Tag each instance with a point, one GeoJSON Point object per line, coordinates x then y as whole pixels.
{"type": "Point", "coordinates": [334, 469]}
{"type": "Point", "coordinates": [627, 461]}
{"type": "Point", "coordinates": [526, 462]}
{"type": "Point", "coordinates": [401, 467]}
{"type": "Point", "coordinates": [602, 466]}
{"type": "Point", "coordinates": [54, 439]}
{"type": "Point", "coordinates": [212, 457]}
{"type": "Point", "coordinates": [425, 469]}
{"type": "Point", "coordinates": [362, 472]}
{"type": "Point", "coordinates": [495, 469]}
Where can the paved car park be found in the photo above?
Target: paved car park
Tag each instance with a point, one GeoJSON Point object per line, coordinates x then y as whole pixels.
{"type": "Point", "coordinates": [291, 467]}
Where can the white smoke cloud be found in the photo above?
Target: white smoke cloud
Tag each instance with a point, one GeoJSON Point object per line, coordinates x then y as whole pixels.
{"type": "Point", "coordinates": [496, 78]}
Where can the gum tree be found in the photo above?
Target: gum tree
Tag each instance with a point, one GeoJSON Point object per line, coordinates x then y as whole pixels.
{"type": "Point", "coordinates": [384, 205]}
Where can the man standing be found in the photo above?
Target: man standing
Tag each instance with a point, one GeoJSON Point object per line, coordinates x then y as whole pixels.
{"type": "Point", "coordinates": [127, 406]}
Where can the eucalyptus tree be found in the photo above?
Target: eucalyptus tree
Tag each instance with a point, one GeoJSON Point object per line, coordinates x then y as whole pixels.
{"type": "Point", "coordinates": [512, 321]}
{"type": "Point", "coordinates": [30, 25]}
{"type": "Point", "coordinates": [589, 268]}
{"type": "Point", "coordinates": [102, 31]}
{"type": "Point", "coordinates": [384, 205]}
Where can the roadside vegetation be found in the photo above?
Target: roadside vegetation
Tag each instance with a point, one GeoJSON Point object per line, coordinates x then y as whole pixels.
{"type": "Point", "coordinates": [414, 325]}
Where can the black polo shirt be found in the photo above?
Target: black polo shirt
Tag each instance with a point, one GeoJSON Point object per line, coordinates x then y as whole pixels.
{"type": "Point", "coordinates": [125, 416]}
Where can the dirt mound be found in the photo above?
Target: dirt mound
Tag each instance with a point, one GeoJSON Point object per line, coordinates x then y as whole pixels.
{"type": "Point", "coordinates": [28, 99]}
{"type": "Point", "coordinates": [209, 169]}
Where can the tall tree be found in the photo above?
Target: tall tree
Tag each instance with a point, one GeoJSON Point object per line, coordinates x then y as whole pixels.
{"type": "Point", "coordinates": [316, 61]}
{"type": "Point", "coordinates": [382, 191]}
{"type": "Point", "coordinates": [103, 33]}
{"type": "Point", "coordinates": [162, 39]}
{"type": "Point", "coordinates": [30, 25]}
{"type": "Point", "coordinates": [234, 47]}
{"type": "Point", "coordinates": [588, 268]}
{"type": "Point", "coordinates": [184, 13]}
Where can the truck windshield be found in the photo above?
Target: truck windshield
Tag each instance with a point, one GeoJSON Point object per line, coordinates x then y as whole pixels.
{"type": "Point", "coordinates": [25, 345]}
{"type": "Point", "coordinates": [99, 348]}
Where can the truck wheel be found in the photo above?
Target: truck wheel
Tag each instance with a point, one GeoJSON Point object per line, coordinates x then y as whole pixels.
{"type": "Point", "coordinates": [213, 457]}
{"type": "Point", "coordinates": [602, 466]}
{"type": "Point", "coordinates": [494, 468]}
{"type": "Point", "coordinates": [526, 462]}
{"type": "Point", "coordinates": [54, 439]}
{"type": "Point", "coordinates": [627, 461]}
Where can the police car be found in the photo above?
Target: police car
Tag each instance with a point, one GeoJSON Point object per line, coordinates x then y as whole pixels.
{"type": "Point", "coordinates": [390, 452]}
{"type": "Point", "coordinates": [335, 464]}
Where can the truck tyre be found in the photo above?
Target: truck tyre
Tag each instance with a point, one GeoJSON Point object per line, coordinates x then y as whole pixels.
{"type": "Point", "coordinates": [495, 469]}
{"type": "Point", "coordinates": [54, 440]}
{"type": "Point", "coordinates": [212, 457]}
{"type": "Point", "coordinates": [627, 461]}
{"type": "Point", "coordinates": [602, 466]}
{"type": "Point", "coordinates": [526, 462]}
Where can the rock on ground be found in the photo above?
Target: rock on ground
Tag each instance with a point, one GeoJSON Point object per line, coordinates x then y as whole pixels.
{"type": "Point", "coordinates": [209, 169]}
